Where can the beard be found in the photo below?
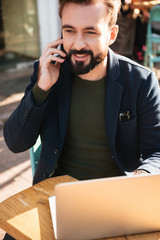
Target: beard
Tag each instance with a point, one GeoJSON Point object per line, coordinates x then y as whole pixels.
{"type": "Point", "coordinates": [79, 67]}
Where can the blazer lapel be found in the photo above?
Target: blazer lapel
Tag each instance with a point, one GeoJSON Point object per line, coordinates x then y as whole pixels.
{"type": "Point", "coordinates": [113, 97]}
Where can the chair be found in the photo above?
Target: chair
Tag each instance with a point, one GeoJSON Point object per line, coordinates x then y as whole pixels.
{"type": "Point", "coordinates": [152, 53]}
{"type": "Point", "coordinates": [35, 154]}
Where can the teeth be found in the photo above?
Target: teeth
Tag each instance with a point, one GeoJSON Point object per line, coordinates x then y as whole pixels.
{"type": "Point", "coordinates": [80, 55]}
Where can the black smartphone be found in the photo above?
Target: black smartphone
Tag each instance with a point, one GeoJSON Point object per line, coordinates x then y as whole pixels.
{"type": "Point", "coordinates": [61, 47]}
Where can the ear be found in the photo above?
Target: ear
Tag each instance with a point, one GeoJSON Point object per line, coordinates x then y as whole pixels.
{"type": "Point", "coordinates": [113, 34]}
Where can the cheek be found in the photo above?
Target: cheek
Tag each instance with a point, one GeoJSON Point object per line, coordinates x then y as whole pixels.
{"type": "Point", "coordinates": [65, 47]}
{"type": "Point", "coordinates": [101, 45]}
{"type": "Point", "coordinates": [67, 43]}
{"type": "Point", "coordinates": [105, 39]}
{"type": "Point", "coordinates": [105, 34]}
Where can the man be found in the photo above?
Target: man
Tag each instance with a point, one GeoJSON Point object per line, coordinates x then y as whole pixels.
{"type": "Point", "coordinates": [98, 113]}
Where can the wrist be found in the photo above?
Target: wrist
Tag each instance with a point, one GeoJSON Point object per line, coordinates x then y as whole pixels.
{"type": "Point", "coordinates": [44, 88]}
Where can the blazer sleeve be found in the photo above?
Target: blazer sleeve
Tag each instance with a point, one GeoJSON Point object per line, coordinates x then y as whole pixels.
{"type": "Point", "coordinates": [22, 128]}
{"type": "Point", "coordinates": [148, 107]}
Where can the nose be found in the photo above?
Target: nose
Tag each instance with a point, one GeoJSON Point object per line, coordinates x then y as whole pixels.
{"type": "Point", "coordinates": [79, 42]}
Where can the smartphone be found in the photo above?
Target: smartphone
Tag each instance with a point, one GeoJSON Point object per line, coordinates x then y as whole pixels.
{"type": "Point", "coordinates": [61, 46]}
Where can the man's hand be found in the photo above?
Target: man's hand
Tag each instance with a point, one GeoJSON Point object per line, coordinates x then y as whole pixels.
{"type": "Point", "coordinates": [140, 172]}
{"type": "Point", "coordinates": [49, 72]}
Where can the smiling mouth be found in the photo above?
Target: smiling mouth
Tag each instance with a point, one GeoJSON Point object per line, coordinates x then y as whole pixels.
{"type": "Point", "coordinates": [80, 57]}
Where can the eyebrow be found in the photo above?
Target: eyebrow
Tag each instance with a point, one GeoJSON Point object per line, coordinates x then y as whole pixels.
{"type": "Point", "coordinates": [67, 26]}
{"type": "Point", "coordinates": [86, 28]}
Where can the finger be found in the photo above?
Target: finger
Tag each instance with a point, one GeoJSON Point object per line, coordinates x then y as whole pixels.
{"type": "Point", "coordinates": [54, 55]}
{"type": "Point", "coordinates": [57, 59]}
{"type": "Point", "coordinates": [51, 58]}
{"type": "Point", "coordinates": [55, 51]}
{"type": "Point", "coordinates": [54, 44]}
{"type": "Point", "coordinates": [61, 52]}
{"type": "Point", "coordinates": [48, 60]}
{"type": "Point", "coordinates": [52, 51]}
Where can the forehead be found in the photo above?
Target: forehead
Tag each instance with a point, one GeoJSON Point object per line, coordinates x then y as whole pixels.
{"type": "Point", "coordinates": [84, 15]}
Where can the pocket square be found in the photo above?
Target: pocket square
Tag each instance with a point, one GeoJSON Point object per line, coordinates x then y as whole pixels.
{"type": "Point", "coordinates": [124, 116]}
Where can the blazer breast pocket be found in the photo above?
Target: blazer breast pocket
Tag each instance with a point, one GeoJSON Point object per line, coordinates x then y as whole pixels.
{"type": "Point", "coordinates": [127, 133]}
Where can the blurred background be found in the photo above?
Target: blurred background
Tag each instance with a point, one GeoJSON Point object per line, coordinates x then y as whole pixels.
{"type": "Point", "coordinates": [26, 26]}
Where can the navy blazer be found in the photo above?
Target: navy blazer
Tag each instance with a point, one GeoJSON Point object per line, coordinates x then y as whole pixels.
{"type": "Point", "coordinates": [134, 141]}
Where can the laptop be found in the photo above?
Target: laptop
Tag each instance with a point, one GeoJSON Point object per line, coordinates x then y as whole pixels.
{"type": "Point", "coordinates": [108, 207]}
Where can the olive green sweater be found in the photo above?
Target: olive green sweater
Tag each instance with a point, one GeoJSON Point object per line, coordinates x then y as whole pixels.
{"type": "Point", "coordinates": [86, 152]}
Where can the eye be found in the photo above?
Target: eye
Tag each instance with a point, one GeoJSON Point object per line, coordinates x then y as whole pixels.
{"type": "Point", "coordinates": [90, 32]}
{"type": "Point", "coordinates": [69, 31]}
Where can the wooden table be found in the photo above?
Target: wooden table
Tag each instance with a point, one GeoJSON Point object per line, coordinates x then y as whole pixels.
{"type": "Point", "coordinates": [26, 215]}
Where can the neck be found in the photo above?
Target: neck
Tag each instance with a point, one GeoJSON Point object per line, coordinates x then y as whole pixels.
{"type": "Point", "coordinates": [97, 73]}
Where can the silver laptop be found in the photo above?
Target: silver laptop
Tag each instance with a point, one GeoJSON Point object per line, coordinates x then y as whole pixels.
{"type": "Point", "coordinates": [107, 207]}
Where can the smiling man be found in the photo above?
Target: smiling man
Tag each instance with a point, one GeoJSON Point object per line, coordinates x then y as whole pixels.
{"type": "Point", "coordinates": [98, 113]}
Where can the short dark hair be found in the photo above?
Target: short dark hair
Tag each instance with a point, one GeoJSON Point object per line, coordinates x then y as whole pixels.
{"type": "Point", "coordinates": [112, 6]}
